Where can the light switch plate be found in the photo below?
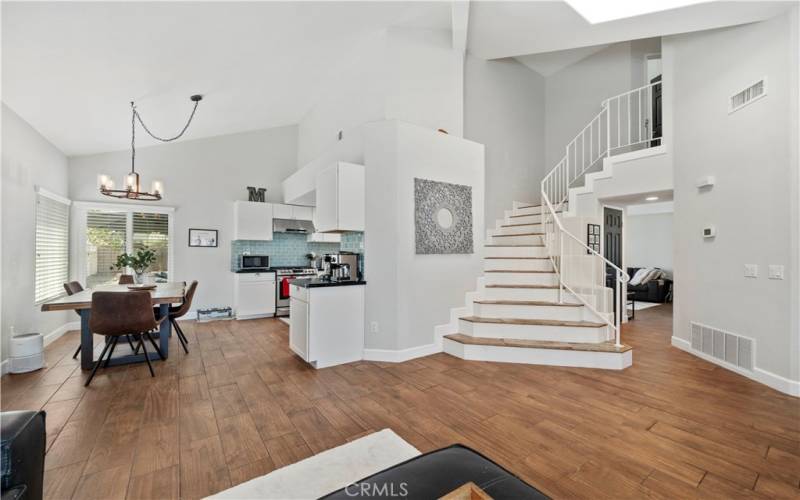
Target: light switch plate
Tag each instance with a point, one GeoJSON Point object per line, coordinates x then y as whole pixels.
{"type": "Point", "coordinates": [775, 272]}
{"type": "Point", "coordinates": [751, 270]}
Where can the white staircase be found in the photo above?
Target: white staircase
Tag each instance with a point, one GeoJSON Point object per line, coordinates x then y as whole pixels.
{"type": "Point", "coordinates": [520, 314]}
{"type": "Point", "coordinates": [543, 297]}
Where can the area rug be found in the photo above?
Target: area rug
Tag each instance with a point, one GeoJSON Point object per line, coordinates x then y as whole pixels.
{"type": "Point", "coordinates": [646, 305]}
{"type": "Point", "coordinates": [327, 471]}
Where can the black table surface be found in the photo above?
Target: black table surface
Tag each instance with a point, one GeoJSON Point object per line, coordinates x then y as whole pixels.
{"type": "Point", "coordinates": [436, 474]}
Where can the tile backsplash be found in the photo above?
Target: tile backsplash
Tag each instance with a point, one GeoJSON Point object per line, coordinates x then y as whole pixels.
{"type": "Point", "coordinates": [284, 250]}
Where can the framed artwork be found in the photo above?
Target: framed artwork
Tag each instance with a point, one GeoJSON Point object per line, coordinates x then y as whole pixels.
{"type": "Point", "coordinates": [203, 238]}
{"type": "Point", "coordinates": [593, 237]}
{"type": "Point", "coordinates": [442, 217]}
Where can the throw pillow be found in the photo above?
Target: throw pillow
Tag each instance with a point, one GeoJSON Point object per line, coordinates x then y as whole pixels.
{"type": "Point", "coordinates": [637, 278]}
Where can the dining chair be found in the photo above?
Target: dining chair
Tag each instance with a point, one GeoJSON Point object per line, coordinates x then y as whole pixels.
{"type": "Point", "coordinates": [181, 310]}
{"type": "Point", "coordinates": [126, 279]}
{"type": "Point", "coordinates": [117, 314]}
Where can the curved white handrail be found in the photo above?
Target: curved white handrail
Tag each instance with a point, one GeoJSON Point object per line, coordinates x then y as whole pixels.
{"type": "Point", "coordinates": [602, 135]}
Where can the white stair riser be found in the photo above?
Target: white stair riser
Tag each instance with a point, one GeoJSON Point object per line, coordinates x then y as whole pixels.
{"type": "Point", "coordinates": [515, 229]}
{"type": "Point", "coordinates": [534, 332]}
{"type": "Point", "coordinates": [527, 211]}
{"type": "Point", "coordinates": [549, 357]}
{"type": "Point", "coordinates": [521, 279]}
{"type": "Point", "coordinates": [527, 219]}
{"type": "Point", "coordinates": [517, 240]}
{"type": "Point", "coordinates": [517, 265]}
{"type": "Point", "coordinates": [559, 313]}
{"type": "Point", "coordinates": [540, 294]}
{"type": "Point", "coordinates": [534, 251]}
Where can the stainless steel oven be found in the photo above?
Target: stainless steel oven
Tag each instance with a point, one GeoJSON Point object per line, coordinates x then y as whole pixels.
{"type": "Point", "coordinates": [254, 262]}
{"type": "Point", "coordinates": [284, 276]}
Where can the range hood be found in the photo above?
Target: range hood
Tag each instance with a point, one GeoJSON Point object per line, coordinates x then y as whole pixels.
{"type": "Point", "coordinates": [292, 226]}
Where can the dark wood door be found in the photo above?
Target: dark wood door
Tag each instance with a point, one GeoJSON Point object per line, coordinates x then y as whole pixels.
{"type": "Point", "coordinates": [656, 107]}
{"type": "Point", "coordinates": [612, 248]}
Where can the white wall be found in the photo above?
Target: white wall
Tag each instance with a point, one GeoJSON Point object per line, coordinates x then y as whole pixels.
{"type": "Point", "coordinates": [504, 111]}
{"type": "Point", "coordinates": [202, 179]}
{"type": "Point", "coordinates": [402, 73]}
{"type": "Point", "coordinates": [409, 294]}
{"type": "Point", "coordinates": [752, 154]}
{"type": "Point", "coordinates": [573, 95]}
{"type": "Point", "coordinates": [648, 241]}
{"type": "Point", "coordinates": [28, 160]}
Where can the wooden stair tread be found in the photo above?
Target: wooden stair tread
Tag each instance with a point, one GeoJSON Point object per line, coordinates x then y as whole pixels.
{"type": "Point", "coordinates": [522, 271]}
{"type": "Point", "coordinates": [538, 344]}
{"type": "Point", "coordinates": [554, 287]}
{"type": "Point", "coordinates": [526, 303]}
{"type": "Point", "coordinates": [513, 245]}
{"type": "Point", "coordinates": [537, 322]}
{"type": "Point", "coordinates": [520, 225]}
{"type": "Point", "coordinates": [513, 235]}
{"type": "Point", "coordinates": [515, 258]}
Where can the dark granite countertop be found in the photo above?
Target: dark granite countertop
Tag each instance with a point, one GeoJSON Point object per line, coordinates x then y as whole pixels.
{"type": "Point", "coordinates": [319, 283]}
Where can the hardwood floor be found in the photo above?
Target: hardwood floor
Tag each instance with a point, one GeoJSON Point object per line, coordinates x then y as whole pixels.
{"type": "Point", "coordinates": [240, 405]}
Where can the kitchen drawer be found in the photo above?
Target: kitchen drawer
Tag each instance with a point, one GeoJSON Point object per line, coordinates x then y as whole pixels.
{"type": "Point", "coordinates": [250, 277]}
{"type": "Point", "coordinates": [298, 292]}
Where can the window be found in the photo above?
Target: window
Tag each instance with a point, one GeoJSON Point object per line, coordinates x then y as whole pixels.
{"type": "Point", "coordinates": [111, 230]}
{"type": "Point", "coordinates": [106, 238]}
{"type": "Point", "coordinates": [151, 230]}
{"type": "Point", "coordinates": [52, 246]}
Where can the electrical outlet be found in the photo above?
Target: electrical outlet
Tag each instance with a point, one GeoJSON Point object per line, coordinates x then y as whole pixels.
{"type": "Point", "coordinates": [775, 272]}
{"type": "Point", "coordinates": [374, 327]}
{"type": "Point", "coordinates": [751, 270]}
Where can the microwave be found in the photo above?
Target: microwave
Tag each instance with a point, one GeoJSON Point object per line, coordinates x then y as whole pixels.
{"type": "Point", "coordinates": [255, 262]}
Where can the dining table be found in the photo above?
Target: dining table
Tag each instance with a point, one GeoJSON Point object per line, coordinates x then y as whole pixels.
{"type": "Point", "coordinates": [162, 296]}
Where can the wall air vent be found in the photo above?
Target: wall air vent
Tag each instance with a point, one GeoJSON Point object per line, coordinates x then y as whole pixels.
{"type": "Point", "coordinates": [722, 345]}
{"type": "Point", "coordinates": [751, 94]}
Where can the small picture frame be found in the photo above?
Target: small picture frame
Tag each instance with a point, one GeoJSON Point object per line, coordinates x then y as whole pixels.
{"type": "Point", "coordinates": [205, 238]}
{"type": "Point", "coordinates": [593, 237]}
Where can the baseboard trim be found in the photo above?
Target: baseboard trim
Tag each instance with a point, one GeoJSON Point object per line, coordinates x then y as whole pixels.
{"type": "Point", "coordinates": [401, 355]}
{"type": "Point", "coordinates": [777, 382]}
{"type": "Point", "coordinates": [4, 367]}
{"type": "Point", "coordinates": [61, 330]}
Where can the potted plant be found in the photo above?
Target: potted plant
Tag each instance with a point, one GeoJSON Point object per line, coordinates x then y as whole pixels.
{"type": "Point", "coordinates": [138, 261]}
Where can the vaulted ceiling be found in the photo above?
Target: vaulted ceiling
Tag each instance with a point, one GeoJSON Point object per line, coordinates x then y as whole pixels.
{"type": "Point", "coordinates": [71, 68]}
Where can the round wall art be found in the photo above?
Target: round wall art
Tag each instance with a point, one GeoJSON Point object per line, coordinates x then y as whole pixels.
{"type": "Point", "coordinates": [442, 217]}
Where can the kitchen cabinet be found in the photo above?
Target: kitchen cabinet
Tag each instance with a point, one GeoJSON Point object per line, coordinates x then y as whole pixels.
{"type": "Point", "coordinates": [324, 238]}
{"type": "Point", "coordinates": [340, 198]}
{"type": "Point", "coordinates": [254, 295]}
{"type": "Point", "coordinates": [294, 212]}
{"type": "Point", "coordinates": [326, 324]}
{"type": "Point", "coordinates": [252, 220]}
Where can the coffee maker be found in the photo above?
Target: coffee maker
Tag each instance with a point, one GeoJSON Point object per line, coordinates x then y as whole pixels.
{"type": "Point", "coordinates": [343, 266]}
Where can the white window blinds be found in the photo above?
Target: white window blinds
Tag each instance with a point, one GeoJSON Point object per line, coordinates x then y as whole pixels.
{"type": "Point", "coordinates": [52, 246]}
{"type": "Point", "coordinates": [151, 230]}
{"type": "Point", "coordinates": [106, 237]}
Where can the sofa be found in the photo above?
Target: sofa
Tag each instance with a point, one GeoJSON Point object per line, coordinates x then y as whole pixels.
{"type": "Point", "coordinates": [652, 291]}
{"type": "Point", "coordinates": [22, 440]}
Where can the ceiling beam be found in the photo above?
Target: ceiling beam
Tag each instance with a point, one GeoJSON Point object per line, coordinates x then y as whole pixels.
{"type": "Point", "coordinates": [460, 19]}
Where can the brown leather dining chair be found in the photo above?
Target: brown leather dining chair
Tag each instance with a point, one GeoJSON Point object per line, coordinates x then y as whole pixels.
{"type": "Point", "coordinates": [118, 314]}
{"type": "Point", "coordinates": [181, 310]}
{"type": "Point", "coordinates": [125, 279]}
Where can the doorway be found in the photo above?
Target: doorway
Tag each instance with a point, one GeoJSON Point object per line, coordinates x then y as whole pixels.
{"type": "Point", "coordinates": [612, 247]}
{"type": "Point", "coordinates": [652, 69]}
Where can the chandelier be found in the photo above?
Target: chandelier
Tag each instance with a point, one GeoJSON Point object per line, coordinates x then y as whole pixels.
{"type": "Point", "coordinates": [132, 189]}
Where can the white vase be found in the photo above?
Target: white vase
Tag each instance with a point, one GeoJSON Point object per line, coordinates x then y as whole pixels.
{"type": "Point", "coordinates": [138, 278]}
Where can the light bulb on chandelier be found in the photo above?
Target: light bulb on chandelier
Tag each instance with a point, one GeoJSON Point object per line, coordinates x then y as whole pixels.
{"type": "Point", "coordinates": [131, 182]}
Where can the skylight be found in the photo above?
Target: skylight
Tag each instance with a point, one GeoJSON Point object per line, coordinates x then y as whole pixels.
{"type": "Point", "coordinates": [596, 11]}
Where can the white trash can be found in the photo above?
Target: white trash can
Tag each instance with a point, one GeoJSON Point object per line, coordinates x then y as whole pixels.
{"type": "Point", "coordinates": [27, 352]}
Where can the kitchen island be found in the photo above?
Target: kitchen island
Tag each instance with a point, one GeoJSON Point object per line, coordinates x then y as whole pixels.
{"type": "Point", "coordinates": [326, 323]}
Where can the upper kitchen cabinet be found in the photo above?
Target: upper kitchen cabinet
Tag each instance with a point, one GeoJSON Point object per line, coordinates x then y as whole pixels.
{"type": "Point", "coordinates": [252, 220]}
{"type": "Point", "coordinates": [294, 212]}
{"type": "Point", "coordinates": [340, 198]}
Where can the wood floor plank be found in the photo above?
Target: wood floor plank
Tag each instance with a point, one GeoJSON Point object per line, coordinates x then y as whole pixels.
{"type": "Point", "coordinates": [241, 404]}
